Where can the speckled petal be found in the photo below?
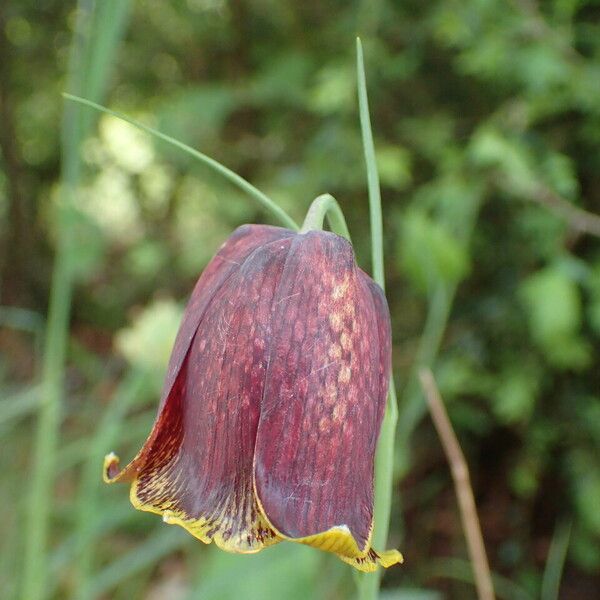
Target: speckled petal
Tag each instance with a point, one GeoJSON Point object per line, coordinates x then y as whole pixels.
{"type": "Point", "coordinates": [323, 402]}
{"type": "Point", "coordinates": [242, 242]}
{"type": "Point", "coordinates": [385, 342]}
{"type": "Point", "coordinates": [196, 467]}
{"type": "Point", "coordinates": [273, 401]}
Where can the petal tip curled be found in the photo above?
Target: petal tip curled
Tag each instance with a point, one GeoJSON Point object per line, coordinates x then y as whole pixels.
{"type": "Point", "coordinates": [110, 469]}
{"type": "Point", "coordinates": [282, 342]}
{"type": "Point", "coordinates": [390, 558]}
{"type": "Point", "coordinates": [339, 540]}
{"type": "Point", "coordinates": [372, 560]}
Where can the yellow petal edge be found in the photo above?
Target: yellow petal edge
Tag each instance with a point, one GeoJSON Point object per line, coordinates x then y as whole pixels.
{"type": "Point", "coordinates": [255, 536]}
{"type": "Point", "coordinates": [337, 540]}
{"type": "Point", "coordinates": [340, 541]}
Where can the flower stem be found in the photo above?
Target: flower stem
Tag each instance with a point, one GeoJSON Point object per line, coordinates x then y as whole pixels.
{"type": "Point", "coordinates": [322, 205]}
{"type": "Point", "coordinates": [228, 174]}
{"type": "Point", "coordinates": [368, 586]}
{"type": "Point", "coordinates": [462, 485]}
{"type": "Point", "coordinates": [89, 64]}
{"type": "Point", "coordinates": [372, 174]}
{"type": "Point", "coordinates": [88, 502]}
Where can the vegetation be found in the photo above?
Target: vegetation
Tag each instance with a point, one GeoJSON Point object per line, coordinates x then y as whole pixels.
{"type": "Point", "coordinates": [486, 122]}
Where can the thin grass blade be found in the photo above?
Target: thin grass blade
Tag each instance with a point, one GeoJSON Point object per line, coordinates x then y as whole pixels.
{"type": "Point", "coordinates": [372, 173]}
{"type": "Point", "coordinates": [159, 545]}
{"type": "Point", "coordinates": [556, 561]}
{"type": "Point", "coordinates": [88, 506]}
{"type": "Point", "coordinates": [368, 586]}
{"type": "Point", "coordinates": [84, 55]}
{"type": "Point", "coordinates": [214, 165]}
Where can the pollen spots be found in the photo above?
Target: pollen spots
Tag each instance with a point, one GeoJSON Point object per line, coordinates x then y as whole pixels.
{"type": "Point", "coordinates": [344, 374]}
{"type": "Point", "coordinates": [324, 424]}
{"type": "Point", "coordinates": [336, 321]}
{"type": "Point", "coordinates": [339, 412]}
{"type": "Point", "coordinates": [341, 289]}
{"type": "Point", "coordinates": [346, 341]}
{"type": "Point", "coordinates": [348, 310]}
{"type": "Point", "coordinates": [335, 351]}
{"type": "Point", "coordinates": [329, 394]}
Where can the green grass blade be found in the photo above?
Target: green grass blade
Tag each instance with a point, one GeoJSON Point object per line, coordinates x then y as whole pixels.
{"type": "Point", "coordinates": [372, 174]}
{"type": "Point", "coordinates": [368, 585]}
{"type": "Point", "coordinates": [462, 570]}
{"type": "Point", "coordinates": [412, 407]}
{"type": "Point", "coordinates": [88, 507]}
{"type": "Point", "coordinates": [19, 405]}
{"type": "Point", "coordinates": [115, 518]}
{"type": "Point", "coordinates": [556, 562]}
{"type": "Point", "coordinates": [289, 572]}
{"type": "Point", "coordinates": [216, 166]}
{"type": "Point", "coordinates": [143, 556]}
{"type": "Point", "coordinates": [38, 509]}
{"type": "Point", "coordinates": [74, 453]}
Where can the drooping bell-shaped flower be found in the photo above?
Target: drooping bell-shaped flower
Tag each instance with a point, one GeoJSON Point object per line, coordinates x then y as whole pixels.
{"type": "Point", "coordinates": [273, 401]}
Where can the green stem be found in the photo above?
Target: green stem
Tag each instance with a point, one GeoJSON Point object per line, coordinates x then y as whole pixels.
{"type": "Point", "coordinates": [372, 174]}
{"type": "Point", "coordinates": [556, 561]}
{"type": "Point", "coordinates": [368, 585]}
{"type": "Point", "coordinates": [412, 407]}
{"type": "Point", "coordinates": [228, 174]}
{"type": "Point", "coordinates": [325, 204]}
{"type": "Point", "coordinates": [40, 495]}
{"type": "Point", "coordinates": [39, 502]}
{"type": "Point", "coordinates": [88, 500]}
{"type": "Point", "coordinates": [85, 48]}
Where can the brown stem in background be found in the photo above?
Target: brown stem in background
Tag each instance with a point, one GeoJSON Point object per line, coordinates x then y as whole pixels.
{"type": "Point", "coordinates": [462, 485]}
{"type": "Point", "coordinates": [578, 219]}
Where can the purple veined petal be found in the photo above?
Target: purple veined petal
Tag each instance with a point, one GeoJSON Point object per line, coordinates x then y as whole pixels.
{"type": "Point", "coordinates": [242, 242]}
{"type": "Point", "coordinates": [196, 466]}
{"type": "Point", "coordinates": [228, 260]}
{"type": "Point", "coordinates": [323, 403]}
{"type": "Point", "coordinates": [385, 341]}
{"type": "Point", "coordinates": [273, 401]}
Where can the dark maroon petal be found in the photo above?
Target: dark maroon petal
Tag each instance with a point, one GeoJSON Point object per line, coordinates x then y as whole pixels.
{"type": "Point", "coordinates": [385, 342]}
{"type": "Point", "coordinates": [322, 404]}
{"type": "Point", "coordinates": [196, 466]}
{"type": "Point", "coordinates": [273, 401]}
{"type": "Point", "coordinates": [242, 242]}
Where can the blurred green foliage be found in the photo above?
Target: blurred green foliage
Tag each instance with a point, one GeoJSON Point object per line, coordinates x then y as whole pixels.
{"type": "Point", "coordinates": [486, 117]}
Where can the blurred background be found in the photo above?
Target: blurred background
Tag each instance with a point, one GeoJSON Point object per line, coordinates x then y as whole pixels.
{"type": "Point", "coordinates": [486, 116]}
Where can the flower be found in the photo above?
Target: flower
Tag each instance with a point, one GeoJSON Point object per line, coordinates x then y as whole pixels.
{"type": "Point", "coordinates": [273, 400]}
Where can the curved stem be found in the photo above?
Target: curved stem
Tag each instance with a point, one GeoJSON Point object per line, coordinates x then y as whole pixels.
{"type": "Point", "coordinates": [230, 175]}
{"type": "Point", "coordinates": [322, 205]}
{"type": "Point", "coordinates": [368, 588]}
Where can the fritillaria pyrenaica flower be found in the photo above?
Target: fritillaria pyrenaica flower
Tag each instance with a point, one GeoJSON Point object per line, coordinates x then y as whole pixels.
{"type": "Point", "coordinates": [273, 401]}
